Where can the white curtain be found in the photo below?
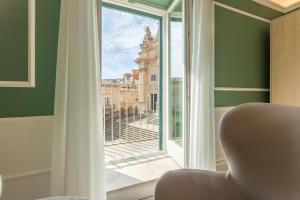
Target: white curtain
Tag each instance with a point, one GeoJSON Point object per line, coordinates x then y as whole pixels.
{"type": "Point", "coordinates": [201, 142]}
{"type": "Point", "coordinates": [78, 152]}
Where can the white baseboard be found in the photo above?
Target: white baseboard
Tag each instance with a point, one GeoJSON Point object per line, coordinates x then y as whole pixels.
{"type": "Point", "coordinates": [26, 119]}
{"type": "Point", "coordinates": [26, 174]}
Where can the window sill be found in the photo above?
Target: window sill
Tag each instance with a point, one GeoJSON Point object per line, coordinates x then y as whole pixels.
{"type": "Point", "coordinates": [137, 180]}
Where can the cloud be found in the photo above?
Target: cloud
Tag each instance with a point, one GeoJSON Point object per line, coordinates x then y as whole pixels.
{"type": "Point", "coordinates": [126, 30]}
{"type": "Point", "coordinates": [177, 61]}
{"type": "Point", "coordinates": [121, 35]}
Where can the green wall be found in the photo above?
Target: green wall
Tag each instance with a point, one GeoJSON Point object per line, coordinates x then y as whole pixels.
{"type": "Point", "coordinates": [17, 102]}
{"type": "Point", "coordinates": [13, 40]}
{"type": "Point", "coordinates": [253, 8]}
{"type": "Point", "coordinates": [242, 51]}
{"type": "Point", "coordinates": [233, 98]}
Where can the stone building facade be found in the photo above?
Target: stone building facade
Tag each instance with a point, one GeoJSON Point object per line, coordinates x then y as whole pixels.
{"type": "Point", "coordinates": [137, 91]}
{"type": "Point", "coordinates": [148, 60]}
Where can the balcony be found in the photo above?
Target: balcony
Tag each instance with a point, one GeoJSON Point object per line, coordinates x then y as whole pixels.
{"type": "Point", "coordinates": [130, 87]}
{"type": "Point", "coordinates": [131, 123]}
{"type": "Point", "coordinates": [132, 152]}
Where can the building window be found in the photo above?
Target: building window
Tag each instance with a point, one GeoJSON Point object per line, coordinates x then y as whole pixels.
{"type": "Point", "coordinates": [107, 101]}
{"type": "Point", "coordinates": [153, 77]}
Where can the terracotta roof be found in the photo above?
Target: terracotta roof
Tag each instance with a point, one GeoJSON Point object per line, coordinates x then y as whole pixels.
{"type": "Point", "coordinates": [135, 73]}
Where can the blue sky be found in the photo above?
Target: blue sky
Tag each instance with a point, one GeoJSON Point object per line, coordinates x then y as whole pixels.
{"type": "Point", "coordinates": [176, 50]}
{"type": "Point", "coordinates": [121, 35]}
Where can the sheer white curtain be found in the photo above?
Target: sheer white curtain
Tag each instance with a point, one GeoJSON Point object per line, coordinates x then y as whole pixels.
{"type": "Point", "coordinates": [78, 153]}
{"type": "Point", "coordinates": [201, 143]}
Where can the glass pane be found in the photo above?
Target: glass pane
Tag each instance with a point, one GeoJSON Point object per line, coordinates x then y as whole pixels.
{"type": "Point", "coordinates": [176, 74]}
{"type": "Point", "coordinates": [130, 83]}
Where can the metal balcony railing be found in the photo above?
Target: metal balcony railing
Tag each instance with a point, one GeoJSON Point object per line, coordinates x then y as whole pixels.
{"type": "Point", "coordinates": [128, 119]}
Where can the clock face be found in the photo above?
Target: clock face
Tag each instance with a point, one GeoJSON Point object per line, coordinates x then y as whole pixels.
{"type": "Point", "coordinates": [146, 45]}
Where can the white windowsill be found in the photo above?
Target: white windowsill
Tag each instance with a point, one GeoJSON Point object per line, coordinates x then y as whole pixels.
{"type": "Point", "coordinates": [136, 181]}
{"type": "Point", "coordinates": [140, 171]}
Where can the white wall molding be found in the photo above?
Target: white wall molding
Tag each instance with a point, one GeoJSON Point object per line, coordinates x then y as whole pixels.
{"type": "Point", "coordinates": [26, 174]}
{"type": "Point", "coordinates": [224, 109]}
{"type": "Point", "coordinates": [31, 118]}
{"type": "Point", "coordinates": [31, 52]}
{"type": "Point", "coordinates": [242, 89]}
{"type": "Point", "coordinates": [241, 12]}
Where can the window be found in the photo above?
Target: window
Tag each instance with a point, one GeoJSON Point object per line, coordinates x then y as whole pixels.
{"type": "Point", "coordinates": [107, 101]}
{"type": "Point", "coordinates": [132, 78]}
{"type": "Point", "coordinates": [153, 77]}
{"type": "Point", "coordinates": [130, 55]}
{"type": "Point", "coordinates": [176, 74]}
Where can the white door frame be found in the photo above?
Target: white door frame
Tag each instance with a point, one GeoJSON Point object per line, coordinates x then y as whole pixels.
{"type": "Point", "coordinates": [178, 153]}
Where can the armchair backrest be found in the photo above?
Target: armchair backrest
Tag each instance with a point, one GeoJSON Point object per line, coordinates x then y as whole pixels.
{"type": "Point", "coordinates": [262, 147]}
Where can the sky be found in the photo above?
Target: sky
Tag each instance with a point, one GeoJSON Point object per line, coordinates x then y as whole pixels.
{"type": "Point", "coordinates": [176, 50]}
{"type": "Point", "coordinates": [122, 34]}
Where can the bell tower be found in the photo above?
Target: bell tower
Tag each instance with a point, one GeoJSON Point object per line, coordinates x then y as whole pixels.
{"type": "Point", "coordinates": [148, 77]}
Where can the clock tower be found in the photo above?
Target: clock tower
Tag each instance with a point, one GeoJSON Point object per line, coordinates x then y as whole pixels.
{"type": "Point", "coordinates": [147, 62]}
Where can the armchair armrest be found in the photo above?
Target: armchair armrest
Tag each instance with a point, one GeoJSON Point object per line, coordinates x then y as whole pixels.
{"type": "Point", "coordinates": [190, 184]}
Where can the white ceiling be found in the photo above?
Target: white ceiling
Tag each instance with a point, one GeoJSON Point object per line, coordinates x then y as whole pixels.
{"type": "Point", "coordinates": [286, 3]}
{"type": "Point", "coordinates": [280, 5]}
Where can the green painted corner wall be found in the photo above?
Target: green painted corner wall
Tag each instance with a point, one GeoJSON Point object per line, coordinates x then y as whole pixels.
{"type": "Point", "coordinates": [19, 102]}
{"type": "Point", "coordinates": [253, 8]}
{"type": "Point", "coordinates": [242, 51]}
{"type": "Point", "coordinates": [38, 101]}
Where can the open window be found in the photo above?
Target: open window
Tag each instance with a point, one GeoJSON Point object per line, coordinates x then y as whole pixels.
{"type": "Point", "coordinates": [130, 84]}
{"type": "Point", "coordinates": [143, 90]}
